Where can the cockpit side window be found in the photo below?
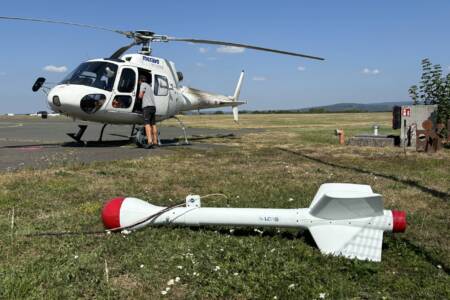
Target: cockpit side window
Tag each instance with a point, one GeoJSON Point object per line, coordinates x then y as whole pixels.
{"type": "Point", "coordinates": [161, 85]}
{"type": "Point", "coordinates": [127, 81]}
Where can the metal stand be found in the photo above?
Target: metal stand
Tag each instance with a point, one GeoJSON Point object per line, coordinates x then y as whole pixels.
{"type": "Point", "coordinates": [79, 134]}
{"type": "Point", "coordinates": [159, 139]}
{"type": "Point", "coordinates": [101, 133]}
{"type": "Point", "coordinates": [184, 130]}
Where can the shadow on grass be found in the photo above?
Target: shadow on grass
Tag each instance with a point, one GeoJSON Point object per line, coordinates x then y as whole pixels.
{"type": "Point", "coordinates": [419, 251]}
{"type": "Point", "coordinates": [300, 234]}
{"type": "Point", "coordinates": [119, 143]}
{"type": "Point", "coordinates": [410, 182]}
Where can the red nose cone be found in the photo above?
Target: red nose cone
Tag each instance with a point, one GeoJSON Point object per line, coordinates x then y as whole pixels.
{"type": "Point", "coordinates": [111, 213]}
{"type": "Point", "coordinates": [399, 218]}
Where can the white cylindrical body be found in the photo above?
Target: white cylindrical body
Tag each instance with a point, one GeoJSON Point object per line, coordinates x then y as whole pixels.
{"type": "Point", "coordinates": [339, 226]}
{"type": "Point", "coordinates": [134, 210]}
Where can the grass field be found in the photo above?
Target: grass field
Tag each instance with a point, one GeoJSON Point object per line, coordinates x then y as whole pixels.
{"type": "Point", "coordinates": [253, 171]}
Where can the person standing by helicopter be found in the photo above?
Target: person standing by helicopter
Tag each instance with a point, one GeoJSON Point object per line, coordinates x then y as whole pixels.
{"type": "Point", "coordinates": [149, 110]}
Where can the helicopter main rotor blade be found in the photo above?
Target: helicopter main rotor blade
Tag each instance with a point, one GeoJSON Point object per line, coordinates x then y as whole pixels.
{"type": "Point", "coordinates": [213, 42]}
{"type": "Point", "coordinates": [128, 34]}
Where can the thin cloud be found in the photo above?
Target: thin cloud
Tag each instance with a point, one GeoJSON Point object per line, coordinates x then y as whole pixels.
{"type": "Point", "coordinates": [368, 71]}
{"type": "Point", "coordinates": [259, 78]}
{"type": "Point", "coordinates": [200, 65]}
{"type": "Point", "coordinates": [55, 69]}
{"type": "Point", "coordinates": [203, 50]}
{"type": "Point", "coordinates": [301, 68]}
{"type": "Point", "coordinates": [230, 49]}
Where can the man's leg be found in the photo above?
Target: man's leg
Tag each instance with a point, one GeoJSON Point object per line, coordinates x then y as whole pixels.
{"type": "Point", "coordinates": [155, 134]}
{"type": "Point", "coordinates": [147, 122]}
{"type": "Point", "coordinates": [148, 133]}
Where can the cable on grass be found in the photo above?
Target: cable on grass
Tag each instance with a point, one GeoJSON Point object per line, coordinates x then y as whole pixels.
{"type": "Point", "coordinates": [150, 219]}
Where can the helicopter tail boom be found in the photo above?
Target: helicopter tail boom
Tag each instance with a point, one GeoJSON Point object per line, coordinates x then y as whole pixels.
{"type": "Point", "coordinates": [204, 99]}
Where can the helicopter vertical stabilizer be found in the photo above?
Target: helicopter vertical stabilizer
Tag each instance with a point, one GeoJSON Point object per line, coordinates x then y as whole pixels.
{"type": "Point", "coordinates": [236, 97]}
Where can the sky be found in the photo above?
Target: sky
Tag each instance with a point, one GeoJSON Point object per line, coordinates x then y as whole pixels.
{"type": "Point", "coordinates": [372, 49]}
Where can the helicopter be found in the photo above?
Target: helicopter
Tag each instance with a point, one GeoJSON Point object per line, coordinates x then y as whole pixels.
{"type": "Point", "coordinates": [104, 90]}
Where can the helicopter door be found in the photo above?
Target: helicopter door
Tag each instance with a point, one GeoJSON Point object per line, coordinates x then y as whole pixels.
{"type": "Point", "coordinates": [125, 94]}
{"type": "Point", "coordinates": [161, 91]}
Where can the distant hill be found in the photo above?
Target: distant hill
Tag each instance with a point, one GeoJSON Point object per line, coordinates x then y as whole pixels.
{"type": "Point", "coordinates": [334, 108]}
{"type": "Point", "coordinates": [368, 107]}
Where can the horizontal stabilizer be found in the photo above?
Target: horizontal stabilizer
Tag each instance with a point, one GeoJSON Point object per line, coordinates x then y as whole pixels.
{"type": "Point", "coordinates": [351, 242]}
{"type": "Point", "coordinates": [339, 201]}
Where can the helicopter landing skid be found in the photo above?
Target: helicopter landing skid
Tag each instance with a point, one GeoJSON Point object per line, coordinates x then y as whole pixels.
{"type": "Point", "coordinates": [79, 134]}
{"type": "Point", "coordinates": [186, 142]}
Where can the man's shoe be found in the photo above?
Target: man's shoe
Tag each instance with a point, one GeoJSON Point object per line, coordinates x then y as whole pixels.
{"type": "Point", "coordinates": [148, 146]}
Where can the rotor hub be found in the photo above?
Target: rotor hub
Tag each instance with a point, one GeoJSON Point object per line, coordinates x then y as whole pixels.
{"type": "Point", "coordinates": [146, 49]}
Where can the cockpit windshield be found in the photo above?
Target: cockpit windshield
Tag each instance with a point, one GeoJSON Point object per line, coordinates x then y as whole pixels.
{"type": "Point", "coordinates": [97, 74]}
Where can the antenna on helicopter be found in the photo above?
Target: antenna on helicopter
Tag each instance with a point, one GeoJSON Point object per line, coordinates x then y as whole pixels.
{"type": "Point", "coordinates": [145, 38]}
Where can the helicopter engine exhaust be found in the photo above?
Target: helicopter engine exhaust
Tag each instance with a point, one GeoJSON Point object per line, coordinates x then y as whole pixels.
{"type": "Point", "coordinates": [344, 219]}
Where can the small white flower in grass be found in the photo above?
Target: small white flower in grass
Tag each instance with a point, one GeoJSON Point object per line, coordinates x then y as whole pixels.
{"type": "Point", "coordinates": [221, 249]}
{"type": "Point", "coordinates": [258, 231]}
{"type": "Point", "coordinates": [236, 274]}
{"type": "Point", "coordinates": [180, 267]}
{"type": "Point", "coordinates": [322, 295]}
{"type": "Point", "coordinates": [177, 279]}
{"type": "Point", "coordinates": [272, 250]}
{"type": "Point", "coordinates": [108, 232]}
{"type": "Point", "coordinates": [291, 199]}
{"type": "Point", "coordinates": [141, 266]}
{"type": "Point", "coordinates": [167, 289]}
{"type": "Point", "coordinates": [237, 196]}
{"type": "Point", "coordinates": [439, 266]}
{"type": "Point", "coordinates": [125, 231]}
{"type": "Point", "coordinates": [76, 257]}
{"type": "Point", "coordinates": [231, 230]}
{"type": "Point", "coordinates": [170, 282]}
{"type": "Point", "coordinates": [217, 268]}
{"type": "Point", "coordinates": [291, 286]}
{"type": "Point", "coordinates": [275, 297]}
{"type": "Point", "coordinates": [163, 293]}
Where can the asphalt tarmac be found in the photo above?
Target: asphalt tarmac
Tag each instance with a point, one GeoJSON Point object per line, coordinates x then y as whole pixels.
{"type": "Point", "coordinates": [41, 143]}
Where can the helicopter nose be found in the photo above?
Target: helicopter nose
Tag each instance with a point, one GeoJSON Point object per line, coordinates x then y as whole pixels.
{"type": "Point", "coordinates": [76, 100]}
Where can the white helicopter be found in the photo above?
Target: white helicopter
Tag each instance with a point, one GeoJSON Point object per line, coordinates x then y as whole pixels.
{"type": "Point", "coordinates": [104, 90]}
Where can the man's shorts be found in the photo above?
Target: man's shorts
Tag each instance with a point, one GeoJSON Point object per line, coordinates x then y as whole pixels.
{"type": "Point", "coordinates": [149, 115]}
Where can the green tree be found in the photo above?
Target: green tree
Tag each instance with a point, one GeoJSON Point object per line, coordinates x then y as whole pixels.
{"type": "Point", "coordinates": [434, 88]}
